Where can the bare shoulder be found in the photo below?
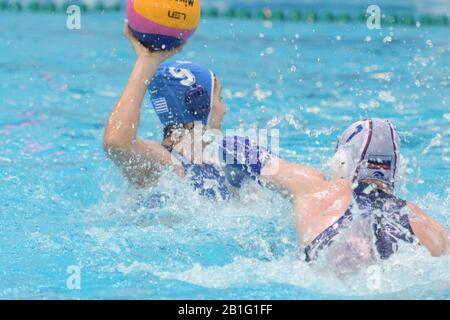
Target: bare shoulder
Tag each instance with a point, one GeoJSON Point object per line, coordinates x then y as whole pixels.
{"type": "Point", "coordinates": [325, 190]}
{"type": "Point", "coordinates": [321, 207]}
{"type": "Point", "coordinates": [331, 198]}
{"type": "Point", "coordinates": [143, 161]}
{"type": "Point", "coordinates": [153, 152]}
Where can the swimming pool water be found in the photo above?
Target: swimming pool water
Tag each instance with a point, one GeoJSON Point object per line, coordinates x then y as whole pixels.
{"type": "Point", "coordinates": [63, 204]}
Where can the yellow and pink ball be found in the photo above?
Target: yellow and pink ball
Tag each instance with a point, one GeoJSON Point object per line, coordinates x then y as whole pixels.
{"type": "Point", "coordinates": [163, 24]}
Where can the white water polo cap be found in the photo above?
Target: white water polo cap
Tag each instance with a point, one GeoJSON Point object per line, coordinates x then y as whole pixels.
{"type": "Point", "coordinates": [368, 149]}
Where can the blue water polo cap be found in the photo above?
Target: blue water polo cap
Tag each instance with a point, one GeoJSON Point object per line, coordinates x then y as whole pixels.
{"type": "Point", "coordinates": [182, 92]}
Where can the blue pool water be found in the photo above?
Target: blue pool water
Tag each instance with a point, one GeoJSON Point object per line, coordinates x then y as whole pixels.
{"type": "Point", "coordinates": [63, 204]}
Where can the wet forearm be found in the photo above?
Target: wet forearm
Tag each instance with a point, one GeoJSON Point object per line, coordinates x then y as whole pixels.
{"type": "Point", "coordinates": [123, 122]}
{"type": "Point", "coordinates": [291, 177]}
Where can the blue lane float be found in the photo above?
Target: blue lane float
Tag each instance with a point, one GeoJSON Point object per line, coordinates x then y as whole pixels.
{"type": "Point", "coordinates": [265, 13]}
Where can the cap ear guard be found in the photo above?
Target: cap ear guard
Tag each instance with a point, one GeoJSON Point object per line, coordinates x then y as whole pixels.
{"type": "Point", "coordinates": [342, 164]}
{"type": "Point", "coordinates": [339, 165]}
{"type": "Point", "coordinates": [350, 150]}
{"type": "Point", "coordinates": [197, 101]}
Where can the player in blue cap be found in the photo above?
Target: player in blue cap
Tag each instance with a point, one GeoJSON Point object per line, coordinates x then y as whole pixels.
{"type": "Point", "coordinates": [355, 216]}
{"type": "Point", "coordinates": [184, 95]}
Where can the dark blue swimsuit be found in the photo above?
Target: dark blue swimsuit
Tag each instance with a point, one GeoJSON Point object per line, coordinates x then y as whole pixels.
{"type": "Point", "coordinates": [242, 159]}
{"type": "Point", "coordinates": [388, 223]}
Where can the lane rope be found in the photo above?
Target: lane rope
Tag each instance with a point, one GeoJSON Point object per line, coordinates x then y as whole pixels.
{"type": "Point", "coordinates": [305, 16]}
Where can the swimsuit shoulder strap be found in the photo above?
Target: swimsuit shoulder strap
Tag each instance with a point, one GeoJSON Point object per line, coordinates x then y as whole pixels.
{"type": "Point", "coordinates": [185, 162]}
{"type": "Point", "coordinates": [326, 237]}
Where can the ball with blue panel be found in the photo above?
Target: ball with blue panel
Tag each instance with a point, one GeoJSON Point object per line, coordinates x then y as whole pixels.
{"type": "Point", "coordinates": [162, 24]}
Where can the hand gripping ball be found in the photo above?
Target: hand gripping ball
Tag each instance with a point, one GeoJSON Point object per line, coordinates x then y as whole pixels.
{"type": "Point", "coordinates": [163, 24]}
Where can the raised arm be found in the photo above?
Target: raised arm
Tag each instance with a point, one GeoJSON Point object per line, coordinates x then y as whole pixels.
{"type": "Point", "coordinates": [430, 233]}
{"type": "Point", "coordinates": [139, 160]}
